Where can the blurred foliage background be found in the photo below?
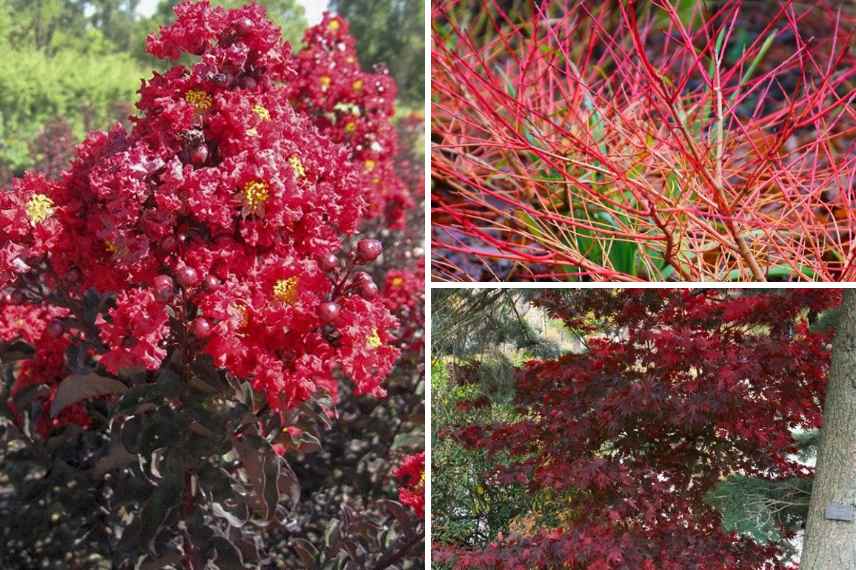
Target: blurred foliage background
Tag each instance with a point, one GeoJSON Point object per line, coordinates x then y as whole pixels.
{"type": "Point", "coordinates": [70, 66]}
{"type": "Point", "coordinates": [391, 33]}
{"type": "Point", "coordinates": [479, 337]}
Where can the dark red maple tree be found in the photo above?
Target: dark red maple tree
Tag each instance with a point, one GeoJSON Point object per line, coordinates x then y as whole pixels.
{"type": "Point", "coordinates": [675, 391]}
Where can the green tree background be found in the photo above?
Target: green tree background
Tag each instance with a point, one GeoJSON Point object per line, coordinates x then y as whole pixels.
{"type": "Point", "coordinates": [391, 32]}
{"type": "Point", "coordinates": [70, 66]}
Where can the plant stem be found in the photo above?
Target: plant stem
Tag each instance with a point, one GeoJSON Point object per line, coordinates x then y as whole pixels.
{"type": "Point", "coordinates": [720, 148]}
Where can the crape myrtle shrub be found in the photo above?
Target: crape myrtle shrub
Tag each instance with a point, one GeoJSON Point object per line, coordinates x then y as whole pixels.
{"type": "Point", "coordinates": [676, 391]}
{"type": "Point", "coordinates": [191, 307]}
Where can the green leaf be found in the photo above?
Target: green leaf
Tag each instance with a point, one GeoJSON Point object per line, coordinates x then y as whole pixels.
{"type": "Point", "coordinates": [162, 429]}
{"type": "Point", "coordinates": [788, 271]}
{"type": "Point", "coordinates": [167, 385]}
{"type": "Point", "coordinates": [25, 397]}
{"type": "Point", "coordinates": [308, 443]}
{"type": "Point", "coordinates": [117, 457]}
{"type": "Point", "coordinates": [777, 271]}
{"type": "Point", "coordinates": [412, 440]}
{"type": "Point", "coordinates": [747, 75]}
{"type": "Point", "coordinates": [129, 433]}
{"type": "Point", "coordinates": [530, 223]}
{"type": "Point", "coordinates": [170, 558]}
{"type": "Point", "coordinates": [165, 499]}
{"type": "Point", "coordinates": [220, 511]}
{"type": "Point", "coordinates": [717, 50]}
{"type": "Point", "coordinates": [666, 272]}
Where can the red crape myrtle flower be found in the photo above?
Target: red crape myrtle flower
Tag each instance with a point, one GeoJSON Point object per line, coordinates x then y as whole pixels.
{"type": "Point", "coordinates": [135, 335]}
{"type": "Point", "coordinates": [404, 296]}
{"type": "Point", "coordinates": [353, 108]}
{"type": "Point", "coordinates": [243, 170]}
{"type": "Point", "coordinates": [47, 368]}
{"type": "Point", "coordinates": [411, 476]}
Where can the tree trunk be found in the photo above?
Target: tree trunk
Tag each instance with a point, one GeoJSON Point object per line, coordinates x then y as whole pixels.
{"type": "Point", "coordinates": [830, 544]}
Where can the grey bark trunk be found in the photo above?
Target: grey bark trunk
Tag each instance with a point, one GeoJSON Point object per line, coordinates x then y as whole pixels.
{"type": "Point", "coordinates": [829, 544]}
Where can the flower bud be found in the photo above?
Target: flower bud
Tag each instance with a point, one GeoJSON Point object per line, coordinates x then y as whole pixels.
{"type": "Point", "coordinates": [164, 288]}
{"type": "Point", "coordinates": [201, 327]}
{"type": "Point", "coordinates": [199, 156]}
{"type": "Point", "coordinates": [56, 328]}
{"type": "Point", "coordinates": [210, 282]}
{"type": "Point", "coordinates": [361, 277]}
{"type": "Point", "coordinates": [169, 243]}
{"type": "Point", "coordinates": [328, 262]}
{"type": "Point", "coordinates": [368, 250]}
{"type": "Point", "coordinates": [328, 312]}
{"type": "Point", "coordinates": [368, 290]}
{"type": "Point", "coordinates": [187, 276]}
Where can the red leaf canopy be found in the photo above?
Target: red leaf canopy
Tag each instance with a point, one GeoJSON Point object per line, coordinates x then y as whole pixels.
{"type": "Point", "coordinates": [677, 390]}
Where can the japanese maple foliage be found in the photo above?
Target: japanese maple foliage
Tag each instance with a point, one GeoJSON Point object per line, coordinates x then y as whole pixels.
{"type": "Point", "coordinates": [675, 390]}
{"type": "Point", "coordinates": [208, 260]}
{"type": "Point", "coordinates": [643, 140]}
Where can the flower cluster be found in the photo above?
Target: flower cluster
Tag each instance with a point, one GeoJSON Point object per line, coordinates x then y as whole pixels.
{"type": "Point", "coordinates": [225, 221]}
{"type": "Point", "coordinates": [411, 476]}
{"type": "Point", "coordinates": [21, 321]}
{"type": "Point", "coordinates": [354, 109]}
{"type": "Point", "coordinates": [136, 332]}
{"type": "Point", "coordinates": [42, 326]}
{"type": "Point", "coordinates": [404, 296]}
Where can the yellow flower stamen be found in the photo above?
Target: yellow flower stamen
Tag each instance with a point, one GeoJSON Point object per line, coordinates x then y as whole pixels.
{"type": "Point", "coordinates": [396, 282]}
{"type": "Point", "coordinates": [199, 100]}
{"type": "Point", "coordinates": [333, 25]}
{"type": "Point", "coordinates": [297, 166]}
{"type": "Point", "coordinates": [110, 246]}
{"type": "Point", "coordinates": [39, 208]}
{"type": "Point", "coordinates": [261, 112]}
{"type": "Point", "coordinates": [358, 85]}
{"type": "Point", "coordinates": [369, 165]}
{"type": "Point", "coordinates": [350, 127]}
{"type": "Point", "coordinates": [286, 290]}
{"type": "Point", "coordinates": [374, 340]}
{"type": "Point", "coordinates": [325, 81]}
{"type": "Point", "coordinates": [255, 194]}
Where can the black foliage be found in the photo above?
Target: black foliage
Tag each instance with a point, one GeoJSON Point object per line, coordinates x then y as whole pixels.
{"type": "Point", "coordinates": [181, 469]}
